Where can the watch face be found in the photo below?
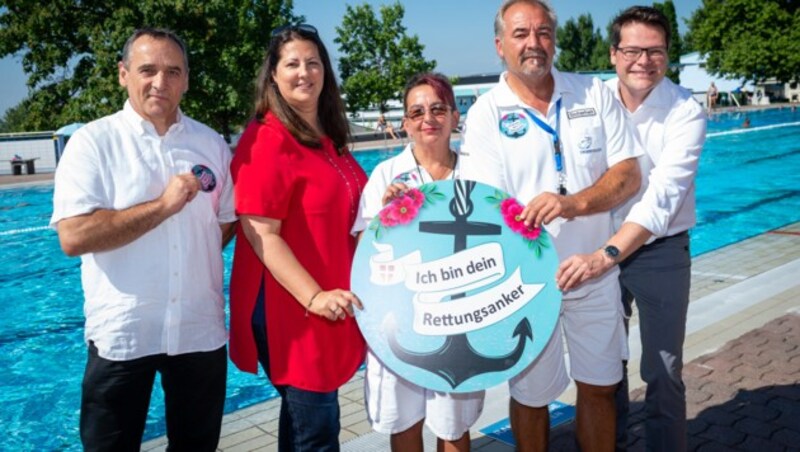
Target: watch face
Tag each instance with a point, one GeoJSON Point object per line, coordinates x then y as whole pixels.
{"type": "Point", "coordinates": [612, 250]}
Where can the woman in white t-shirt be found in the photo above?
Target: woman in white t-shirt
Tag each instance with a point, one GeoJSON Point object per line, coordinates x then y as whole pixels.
{"type": "Point", "coordinates": [395, 405]}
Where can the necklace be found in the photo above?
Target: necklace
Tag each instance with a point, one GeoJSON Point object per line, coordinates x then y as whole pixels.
{"type": "Point", "coordinates": [351, 191]}
{"type": "Point", "coordinates": [453, 160]}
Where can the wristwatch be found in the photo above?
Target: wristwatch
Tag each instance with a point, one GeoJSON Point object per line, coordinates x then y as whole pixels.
{"type": "Point", "coordinates": [612, 252]}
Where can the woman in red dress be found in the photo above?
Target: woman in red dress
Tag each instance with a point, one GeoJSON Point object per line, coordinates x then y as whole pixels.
{"type": "Point", "coordinates": [297, 190]}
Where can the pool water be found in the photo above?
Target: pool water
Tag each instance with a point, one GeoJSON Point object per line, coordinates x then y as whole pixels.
{"type": "Point", "coordinates": [748, 183]}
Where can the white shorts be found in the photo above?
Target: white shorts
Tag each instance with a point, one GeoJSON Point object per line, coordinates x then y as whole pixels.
{"type": "Point", "coordinates": [395, 404]}
{"type": "Point", "coordinates": [597, 344]}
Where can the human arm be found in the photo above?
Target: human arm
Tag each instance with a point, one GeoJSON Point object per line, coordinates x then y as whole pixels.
{"type": "Point", "coordinates": [264, 236]}
{"type": "Point", "coordinates": [577, 269]}
{"type": "Point", "coordinates": [616, 185]}
{"type": "Point", "coordinates": [663, 206]}
{"type": "Point", "coordinates": [108, 229]}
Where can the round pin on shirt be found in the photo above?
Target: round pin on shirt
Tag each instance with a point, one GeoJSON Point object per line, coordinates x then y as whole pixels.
{"type": "Point", "coordinates": [208, 182]}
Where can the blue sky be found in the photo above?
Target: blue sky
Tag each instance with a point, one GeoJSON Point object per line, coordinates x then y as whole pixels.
{"type": "Point", "coordinates": [456, 33]}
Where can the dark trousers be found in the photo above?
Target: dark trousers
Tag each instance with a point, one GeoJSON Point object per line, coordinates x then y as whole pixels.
{"type": "Point", "coordinates": [309, 420]}
{"type": "Point", "coordinates": [658, 277]}
{"type": "Point", "coordinates": [116, 395]}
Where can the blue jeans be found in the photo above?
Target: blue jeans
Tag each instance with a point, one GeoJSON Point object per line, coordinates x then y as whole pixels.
{"type": "Point", "coordinates": [309, 421]}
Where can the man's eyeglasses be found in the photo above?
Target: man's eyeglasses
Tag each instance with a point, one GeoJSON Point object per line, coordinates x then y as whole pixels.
{"type": "Point", "coordinates": [417, 112]}
{"type": "Point", "coordinates": [633, 53]}
{"type": "Point", "coordinates": [305, 28]}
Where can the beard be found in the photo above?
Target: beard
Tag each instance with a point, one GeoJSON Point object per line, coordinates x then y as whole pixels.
{"type": "Point", "coordinates": [529, 63]}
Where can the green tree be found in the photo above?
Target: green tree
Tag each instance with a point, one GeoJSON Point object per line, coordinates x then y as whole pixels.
{"type": "Point", "coordinates": [377, 56]}
{"type": "Point", "coordinates": [750, 39]}
{"type": "Point", "coordinates": [581, 46]}
{"type": "Point", "coordinates": [676, 46]}
{"type": "Point", "coordinates": [70, 50]}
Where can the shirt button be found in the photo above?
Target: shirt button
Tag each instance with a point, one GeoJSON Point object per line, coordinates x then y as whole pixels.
{"type": "Point", "coordinates": [175, 274]}
{"type": "Point", "coordinates": [174, 300]}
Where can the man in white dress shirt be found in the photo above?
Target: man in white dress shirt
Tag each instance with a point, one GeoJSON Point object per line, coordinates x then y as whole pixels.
{"type": "Point", "coordinates": [652, 228]}
{"type": "Point", "coordinates": [145, 198]}
{"type": "Point", "coordinates": [558, 142]}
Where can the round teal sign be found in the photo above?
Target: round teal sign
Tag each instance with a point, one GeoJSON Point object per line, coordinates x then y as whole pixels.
{"type": "Point", "coordinates": [459, 295]}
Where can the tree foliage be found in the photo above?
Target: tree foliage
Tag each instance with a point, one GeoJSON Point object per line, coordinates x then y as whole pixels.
{"type": "Point", "coordinates": [676, 46]}
{"type": "Point", "coordinates": [378, 56]}
{"type": "Point", "coordinates": [581, 46]}
{"type": "Point", "coordinates": [70, 50]}
{"type": "Point", "coordinates": [750, 39]}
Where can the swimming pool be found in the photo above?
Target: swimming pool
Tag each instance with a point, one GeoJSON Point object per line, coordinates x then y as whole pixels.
{"type": "Point", "coordinates": [749, 182]}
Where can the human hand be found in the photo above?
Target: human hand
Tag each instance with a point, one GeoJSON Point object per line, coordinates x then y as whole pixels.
{"type": "Point", "coordinates": [393, 191]}
{"type": "Point", "coordinates": [335, 304]}
{"type": "Point", "coordinates": [547, 207]}
{"type": "Point", "coordinates": [580, 268]}
{"type": "Point", "coordinates": [181, 189]}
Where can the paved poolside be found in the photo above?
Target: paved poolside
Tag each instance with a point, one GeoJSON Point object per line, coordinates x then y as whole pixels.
{"type": "Point", "coordinates": [742, 371]}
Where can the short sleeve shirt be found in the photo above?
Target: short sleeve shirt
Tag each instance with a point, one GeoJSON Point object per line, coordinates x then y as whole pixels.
{"type": "Point", "coordinates": [315, 195]}
{"type": "Point", "coordinates": [401, 168]}
{"type": "Point", "coordinates": [504, 147]}
{"type": "Point", "coordinates": [161, 293]}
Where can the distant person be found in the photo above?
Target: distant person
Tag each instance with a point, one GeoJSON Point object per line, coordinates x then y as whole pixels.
{"type": "Point", "coordinates": [558, 142]}
{"type": "Point", "coordinates": [713, 95]}
{"type": "Point", "coordinates": [297, 192]}
{"type": "Point", "coordinates": [386, 127]}
{"type": "Point", "coordinates": [395, 405]}
{"type": "Point", "coordinates": [144, 196]}
{"type": "Point", "coordinates": [651, 244]}
{"type": "Point", "coordinates": [746, 122]}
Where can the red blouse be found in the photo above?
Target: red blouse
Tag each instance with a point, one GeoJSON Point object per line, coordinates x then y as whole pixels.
{"type": "Point", "coordinates": [315, 194]}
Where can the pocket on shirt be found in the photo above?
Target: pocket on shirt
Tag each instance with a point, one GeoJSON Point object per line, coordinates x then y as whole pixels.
{"type": "Point", "coordinates": [589, 142]}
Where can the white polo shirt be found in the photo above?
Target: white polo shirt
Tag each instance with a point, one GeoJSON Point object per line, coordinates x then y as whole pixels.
{"type": "Point", "coordinates": [671, 126]}
{"type": "Point", "coordinates": [400, 168]}
{"type": "Point", "coordinates": [162, 293]}
{"type": "Point", "coordinates": [503, 147]}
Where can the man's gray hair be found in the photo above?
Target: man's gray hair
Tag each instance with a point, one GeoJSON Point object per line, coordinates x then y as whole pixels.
{"type": "Point", "coordinates": [499, 25]}
{"type": "Point", "coordinates": [155, 33]}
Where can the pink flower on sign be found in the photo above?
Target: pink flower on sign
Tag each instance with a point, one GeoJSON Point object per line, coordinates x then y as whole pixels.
{"type": "Point", "coordinates": [417, 196]}
{"type": "Point", "coordinates": [511, 210]}
{"type": "Point", "coordinates": [405, 209]}
{"type": "Point", "coordinates": [387, 217]}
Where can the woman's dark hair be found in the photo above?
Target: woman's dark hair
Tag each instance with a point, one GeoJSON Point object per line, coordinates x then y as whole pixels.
{"type": "Point", "coordinates": [440, 84]}
{"type": "Point", "coordinates": [331, 111]}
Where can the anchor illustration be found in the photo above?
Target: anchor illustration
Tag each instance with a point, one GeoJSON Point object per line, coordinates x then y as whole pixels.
{"type": "Point", "coordinates": [456, 371]}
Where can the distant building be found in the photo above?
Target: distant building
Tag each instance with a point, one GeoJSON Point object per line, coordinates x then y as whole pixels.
{"type": "Point", "coordinates": [695, 78]}
{"type": "Point", "coordinates": [774, 91]}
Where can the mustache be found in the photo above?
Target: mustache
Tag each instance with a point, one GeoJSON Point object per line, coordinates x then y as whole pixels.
{"type": "Point", "coordinates": [533, 54]}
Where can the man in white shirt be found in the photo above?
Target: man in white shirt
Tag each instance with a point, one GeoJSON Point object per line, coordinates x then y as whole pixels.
{"type": "Point", "coordinates": [559, 143]}
{"type": "Point", "coordinates": [652, 238]}
{"type": "Point", "coordinates": [145, 198]}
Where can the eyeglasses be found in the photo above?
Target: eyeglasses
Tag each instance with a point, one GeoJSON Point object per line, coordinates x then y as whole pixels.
{"type": "Point", "coordinates": [417, 112]}
{"type": "Point", "coordinates": [305, 28]}
{"type": "Point", "coordinates": [633, 53]}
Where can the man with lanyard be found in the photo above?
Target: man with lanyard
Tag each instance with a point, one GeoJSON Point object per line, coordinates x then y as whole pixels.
{"type": "Point", "coordinates": [145, 197]}
{"type": "Point", "coordinates": [672, 127]}
{"type": "Point", "coordinates": [559, 143]}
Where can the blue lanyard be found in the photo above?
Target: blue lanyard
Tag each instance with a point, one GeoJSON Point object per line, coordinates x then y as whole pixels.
{"type": "Point", "coordinates": [557, 154]}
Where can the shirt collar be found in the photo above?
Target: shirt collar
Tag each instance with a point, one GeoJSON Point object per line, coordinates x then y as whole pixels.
{"type": "Point", "coordinates": [144, 127]}
{"type": "Point", "coordinates": [507, 98]}
{"type": "Point", "coordinates": [658, 98]}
